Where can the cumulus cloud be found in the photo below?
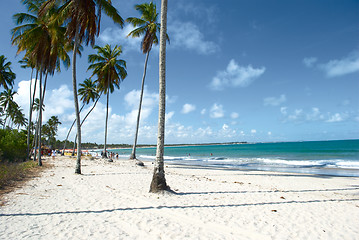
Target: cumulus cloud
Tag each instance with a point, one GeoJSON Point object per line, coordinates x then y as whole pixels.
{"type": "Point", "coordinates": [314, 114]}
{"type": "Point", "coordinates": [253, 131]}
{"type": "Point", "coordinates": [236, 76]}
{"type": "Point", "coordinates": [337, 117]}
{"type": "Point", "coordinates": [187, 108]}
{"type": "Point", "coordinates": [57, 101]}
{"type": "Point", "coordinates": [216, 111]}
{"type": "Point", "coordinates": [203, 111]}
{"type": "Point", "coordinates": [186, 35]}
{"type": "Point", "coordinates": [273, 101]}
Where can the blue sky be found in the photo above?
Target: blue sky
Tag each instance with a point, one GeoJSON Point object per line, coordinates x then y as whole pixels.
{"type": "Point", "coordinates": [236, 71]}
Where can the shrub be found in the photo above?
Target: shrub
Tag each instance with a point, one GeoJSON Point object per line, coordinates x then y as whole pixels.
{"type": "Point", "coordinates": [12, 145]}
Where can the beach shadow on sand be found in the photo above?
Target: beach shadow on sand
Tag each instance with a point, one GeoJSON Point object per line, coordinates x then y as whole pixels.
{"type": "Point", "coordinates": [172, 207]}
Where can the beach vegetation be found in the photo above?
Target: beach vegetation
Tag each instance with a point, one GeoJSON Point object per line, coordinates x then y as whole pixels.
{"type": "Point", "coordinates": [82, 20]}
{"type": "Point", "coordinates": [12, 145]}
{"type": "Point", "coordinates": [110, 72]}
{"type": "Point", "coordinates": [148, 27]}
{"type": "Point", "coordinates": [158, 182]}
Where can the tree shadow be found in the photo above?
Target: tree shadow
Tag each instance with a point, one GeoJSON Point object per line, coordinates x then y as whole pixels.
{"type": "Point", "coordinates": [172, 207]}
{"type": "Point", "coordinates": [269, 191]}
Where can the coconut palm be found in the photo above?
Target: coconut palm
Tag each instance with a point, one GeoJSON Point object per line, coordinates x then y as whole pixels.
{"type": "Point", "coordinates": [7, 103]}
{"type": "Point", "coordinates": [7, 77]}
{"type": "Point", "coordinates": [42, 37]}
{"type": "Point", "coordinates": [158, 180]}
{"type": "Point", "coordinates": [147, 26]}
{"type": "Point", "coordinates": [83, 24]}
{"type": "Point", "coordinates": [110, 72]}
{"type": "Point", "coordinates": [27, 63]}
{"type": "Point", "coordinates": [88, 92]}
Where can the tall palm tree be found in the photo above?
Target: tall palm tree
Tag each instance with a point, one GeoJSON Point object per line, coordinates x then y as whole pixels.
{"type": "Point", "coordinates": [148, 28]}
{"type": "Point", "coordinates": [110, 72]}
{"type": "Point", "coordinates": [83, 24]}
{"type": "Point", "coordinates": [158, 180]}
{"type": "Point", "coordinates": [42, 37]}
{"type": "Point", "coordinates": [27, 63]}
{"type": "Point", "coordinates": [7, 77]}
{"type": "Point", "coordinates": [88, 92]}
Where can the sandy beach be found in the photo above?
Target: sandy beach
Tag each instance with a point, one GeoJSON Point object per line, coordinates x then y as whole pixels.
{"type": "Point", "coordinates": [111, 201]}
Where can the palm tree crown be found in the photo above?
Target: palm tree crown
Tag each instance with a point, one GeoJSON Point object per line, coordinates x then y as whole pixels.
{"type": "Point", "coordinates": [147, 25]}
{"type": "Point", "coordinates": [7, 77]}
{"type": "Point", "coordinates": [88, 91]}
{"type": "Point", "coordinates": [109, 69]}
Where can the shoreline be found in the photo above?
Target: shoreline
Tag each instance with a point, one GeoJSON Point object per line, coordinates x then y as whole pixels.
{"type": "Point", "coordinates": [111, 201]}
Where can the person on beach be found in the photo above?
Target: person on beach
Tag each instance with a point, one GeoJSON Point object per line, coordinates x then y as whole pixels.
{"type": "Point", "coordinates": [53, 154]}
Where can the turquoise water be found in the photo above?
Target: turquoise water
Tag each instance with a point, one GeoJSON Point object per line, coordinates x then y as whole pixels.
{"type": "Point", "coordinates": [340, 158]}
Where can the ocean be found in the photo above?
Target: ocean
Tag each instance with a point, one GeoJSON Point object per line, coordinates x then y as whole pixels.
{"type": "Point", "coordinates": [332, 158]}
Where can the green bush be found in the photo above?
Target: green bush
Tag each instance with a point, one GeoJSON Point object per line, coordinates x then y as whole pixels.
{"type": "Point", "coordinates": [12, 145]}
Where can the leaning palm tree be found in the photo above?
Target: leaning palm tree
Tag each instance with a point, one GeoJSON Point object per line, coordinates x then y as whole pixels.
{"type": "Point", "coordinates": [110, 72]}
{"type": "Point", "coordinates": [7, 77]}
{"type": "Point", "coordinates": [83, 24]}
{"type": "Point", "coordinates": [158, 180]}
{"type": "Point", "coordinates": [88, 92]}
{"type": "Point", "coordinates": [147, 26]}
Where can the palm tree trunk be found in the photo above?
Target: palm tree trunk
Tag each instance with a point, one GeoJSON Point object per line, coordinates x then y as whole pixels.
{"type": "Point", "coordinates": [158, 180]}
{"type": "Point", "coordinates": [104, 150]}
{"type": "Point", "coordinates": [133, 154]}
{"type": "Point", "coordinates": [83, 120]}
{"type": "Point", "coordinates": [77, 112]}
{"type": "Point", "coordinates": [39, 122]}
{"type": "Point", "coordinates": [30, 116]}
{"type": "Point", "coordinates": [68, 133]}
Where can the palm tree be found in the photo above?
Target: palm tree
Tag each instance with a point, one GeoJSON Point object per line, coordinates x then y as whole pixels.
{"type": "Point", "coordinates": [110, 72]}
{"type": "Point", "coordinates": [42, 37]}
{"type": "Point", "coordinates": [83, 24]}
{"type": "Point", "coordinates": [26, 62]}
{"type": "Point", "coordinates": [148, 28]}
{"type": "Point", "coordinates": [19, 119]}
{"type": "Point", "coordinates": [88, 92]}
{"type": "Point", "coordinates": [7, 77]}
{"type": "Point", "coordinates": [158, 180]}
{"type": "Point", "coordinates": [7, 103]}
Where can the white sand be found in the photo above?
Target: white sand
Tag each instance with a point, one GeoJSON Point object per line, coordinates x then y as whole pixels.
{"type": "Point", "coordinates": [111, 201]}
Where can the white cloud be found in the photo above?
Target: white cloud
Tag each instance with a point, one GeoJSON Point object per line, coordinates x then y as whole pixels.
{"type": "Point", "coordinates": [57, 101]}
{"type": "Point", "coordinates": [273, 101]}
{"type": "Point", "coordinates": [253, 131]}
{"type": "Point", "coordinates": [187, 108]}
{"type": "Point", "coordinates": [169, 115]}
{"type": "Point", "coordinates": [117, 36]}
{"type": "Point", "coordinates": [269, 133]}
{"type": "Point", "coordinates": [347, 65]}
{"type": "Point", "coordinates": [310, 61]}
{"type": "Point", "coordinates": [236, 76]}
{"type": "Point", "coordinates": [337, 117]}
{"type": "Point", "coordinates": [217, 111]}
{"type": "Point", "coordinates": [203, 111]}
{"type": "Point", "coordinates": [225, 127]}
{"type": "Point", "coordinates": [234, 115]}
{"type": "Point", "coordinates": [187, 35]}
